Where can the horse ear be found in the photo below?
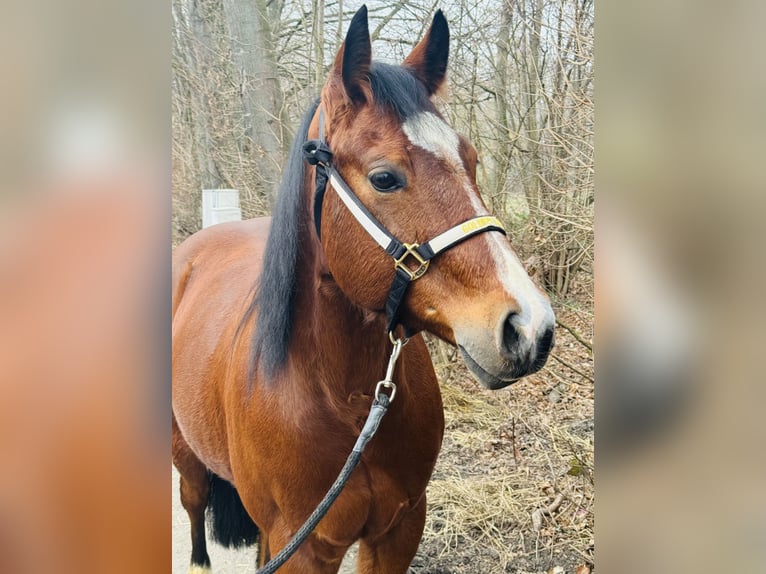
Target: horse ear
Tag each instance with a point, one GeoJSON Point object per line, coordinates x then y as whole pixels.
{"type": "Point", "coordinates": [355, 57]}
{"type": "Point", "coordinates": [428, 60]}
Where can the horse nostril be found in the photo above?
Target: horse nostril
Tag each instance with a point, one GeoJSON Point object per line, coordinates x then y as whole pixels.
{"type": "Point", "coordinates": [510, 341]}
{"type": "Point", "coordinates": [544, 346]}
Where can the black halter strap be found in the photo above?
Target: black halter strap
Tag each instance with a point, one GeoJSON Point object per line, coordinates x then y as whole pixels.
{"type": "Point", "coordinates": [411, 261]}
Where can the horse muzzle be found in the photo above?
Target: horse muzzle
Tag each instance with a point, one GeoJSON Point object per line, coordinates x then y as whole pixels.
{"type": "Point", "coordinates": [513, 350]}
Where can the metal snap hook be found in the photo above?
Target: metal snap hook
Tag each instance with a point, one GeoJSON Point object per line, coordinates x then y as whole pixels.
{"type": "Point", "coordinates": [387, 382]}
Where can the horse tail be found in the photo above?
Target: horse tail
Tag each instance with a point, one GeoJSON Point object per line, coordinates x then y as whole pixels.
{"type": "Point", "coordinates": [229, 522]}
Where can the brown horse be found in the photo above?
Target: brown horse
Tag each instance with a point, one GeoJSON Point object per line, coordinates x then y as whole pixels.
{"type": "Point", "coordinates": [279, 331]}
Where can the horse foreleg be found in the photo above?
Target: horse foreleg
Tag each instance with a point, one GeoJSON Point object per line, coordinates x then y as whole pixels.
{"type": "Point", "coordinates": [263, 549]}
{"type": "Point", "coordinates": [393, 552]}
{"type": "Point", "coordinates": [312, 557]}
{"type": "Point", "coordinates": [195, 488]}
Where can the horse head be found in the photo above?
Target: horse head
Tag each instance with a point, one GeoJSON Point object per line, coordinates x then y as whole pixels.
{"type": "Point", "coordinates": [417, 177]}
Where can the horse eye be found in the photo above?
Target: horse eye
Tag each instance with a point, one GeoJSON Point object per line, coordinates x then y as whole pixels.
{"type": "Point", "coordinates": [384, 181]}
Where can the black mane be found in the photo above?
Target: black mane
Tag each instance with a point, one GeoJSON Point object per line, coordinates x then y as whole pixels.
{"type": "Point", "coordinates": [276, 289]}
{"type": "Point", "coordinates": [394, 88]}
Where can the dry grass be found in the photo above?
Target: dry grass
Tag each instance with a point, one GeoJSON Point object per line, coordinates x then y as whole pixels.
{"type": "Point", "coordinates": [507, 456]}
{"type": "Point", "coordinates": [478, 512]}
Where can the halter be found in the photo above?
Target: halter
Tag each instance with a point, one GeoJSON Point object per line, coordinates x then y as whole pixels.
{"type": "Point", "coordinates": [411, 260]}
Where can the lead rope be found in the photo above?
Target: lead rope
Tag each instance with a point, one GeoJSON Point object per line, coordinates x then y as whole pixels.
{"type": "Point", "coordinates": [377, 411]}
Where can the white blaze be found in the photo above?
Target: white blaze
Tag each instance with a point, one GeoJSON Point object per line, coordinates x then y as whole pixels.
{"type": "Point", "coordinates": [429, 132]}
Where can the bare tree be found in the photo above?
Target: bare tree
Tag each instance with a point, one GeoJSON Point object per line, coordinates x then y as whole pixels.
{"type": "Point", "coordinates": [522, 91]}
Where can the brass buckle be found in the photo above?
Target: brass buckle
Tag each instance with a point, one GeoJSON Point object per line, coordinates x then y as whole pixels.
{"type": "Point", "coordinates": [412, 252]}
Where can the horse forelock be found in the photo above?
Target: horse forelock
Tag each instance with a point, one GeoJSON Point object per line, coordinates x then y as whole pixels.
{"type": "Point", "coordinates": [396, 88]}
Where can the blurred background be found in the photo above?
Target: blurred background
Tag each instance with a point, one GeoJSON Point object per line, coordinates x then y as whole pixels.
{"type": "Point", "coordinates": [84, 287]}
{"type": "Point", "coordinates": [680, 188]}
{"type": "Point", "coordinates": [99, 96]}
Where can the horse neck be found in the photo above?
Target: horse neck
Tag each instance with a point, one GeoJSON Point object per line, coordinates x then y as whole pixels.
{"type": "Point", "coordinates": [339, 346]}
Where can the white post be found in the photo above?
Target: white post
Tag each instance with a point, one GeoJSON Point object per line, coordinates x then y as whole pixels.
{"type": "Point", "coordinates": [219, 206]}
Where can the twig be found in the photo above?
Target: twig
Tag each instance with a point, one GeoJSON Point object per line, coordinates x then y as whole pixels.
{"type": "Point", "coordinates": [572, 367]}
{"type": "Point", "coordinates": [576, 335]}
{"type": "Point", "coordinates": [516, 452]}
{"type": "Point", "coordinates": [558, 377]}
{"type": "Point", "coordinates": [537, 515]}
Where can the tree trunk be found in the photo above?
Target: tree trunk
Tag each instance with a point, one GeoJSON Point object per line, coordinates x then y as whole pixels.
{"type": "Point", "coordinates": [253, 51]}
{"type": "Point", "coordinates": [317, 35]}
{"type": "Point", "coordinates": [532, 93]}
{"type": "Point", "coordinates": [504, 144]}
{"type": "Point", "coordinates": [201, 17]}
